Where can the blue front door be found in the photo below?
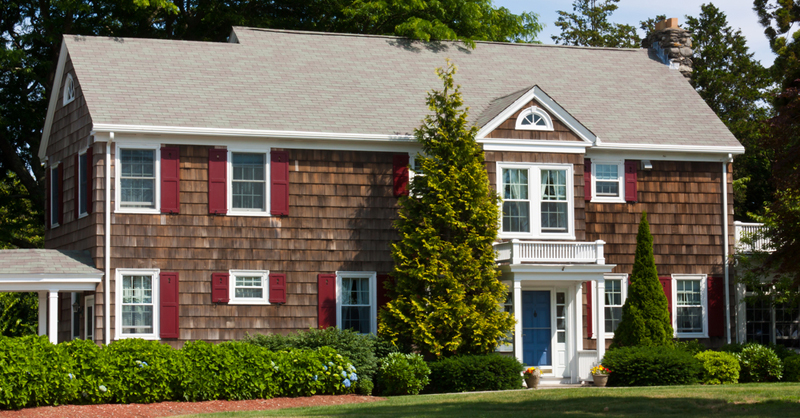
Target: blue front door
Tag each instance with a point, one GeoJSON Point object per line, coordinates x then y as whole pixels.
{"type": "Point", "coordinates": [536, 328]}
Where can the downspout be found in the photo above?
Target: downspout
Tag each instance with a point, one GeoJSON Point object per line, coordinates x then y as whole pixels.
{"type": "Point", "coordinates": [107, 257]}
{"type": "Point", "coordinates": [725, 267]}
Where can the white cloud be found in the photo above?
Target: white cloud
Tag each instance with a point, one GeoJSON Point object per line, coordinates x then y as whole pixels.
{"type": "Point", "coordinates": [739, 12]}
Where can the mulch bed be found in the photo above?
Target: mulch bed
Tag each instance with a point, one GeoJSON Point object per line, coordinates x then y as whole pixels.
{"type": "Point", "coordinates": [166, 409]}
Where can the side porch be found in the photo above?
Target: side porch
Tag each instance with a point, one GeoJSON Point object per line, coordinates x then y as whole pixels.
{"type": "Point", "coordinates": [545, 281]}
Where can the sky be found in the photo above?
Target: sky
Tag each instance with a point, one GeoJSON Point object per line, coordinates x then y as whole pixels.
{"type": "Point", "coordinates": [739, 12]}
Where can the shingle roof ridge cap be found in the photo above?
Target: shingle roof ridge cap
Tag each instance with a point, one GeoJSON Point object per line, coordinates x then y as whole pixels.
{"type": "Point", "coordinates": [362, 35]}
{"type": "Point", "coordinates": [126, 38]}
{"type": "Point", "coordinates": [517, 92]}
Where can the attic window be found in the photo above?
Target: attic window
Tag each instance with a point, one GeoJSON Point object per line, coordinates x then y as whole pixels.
{"type": "Point", "coordinates": [69, 90]}
{"type": "Point", "coordinates": [534, 119]}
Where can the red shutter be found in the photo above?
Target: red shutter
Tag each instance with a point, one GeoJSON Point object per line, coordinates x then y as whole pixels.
{"type": "Point", "coordinates": [48, 199]}
{"type": "Point", "coordinates": [61, 194]}
{"type": "Point", "coordinates": [383, 294]}
{"type": "Point", "coordinates": [716, 307]}
{"type": "Point", "coordinates": [89, 180]}
{"type": "Point", "coordinates": [170, 180]}
{"type": "Point", "coordinates": [630, 180]}
{"type": "Point", "coordinates": [277, 288]}
{"type": "Point", "coordinates": [218, 182]}
{"type": "Point", "coordinates": [587, 179]}
{"type": "Point", "coordinates": [400, 171]}
{"type": "Point", "coordinates": [589, 309]}
{"type": "Point", "coordinates": [169, 305]}
{"type": "Point", "coordinates": [76, 182]}
{"type": "Point", "coordinates": [326, 300]}
{"type": "Point", "coordinates": [219, 288]}
{"type": "Point", "coordinates": [666, 283]}
{"type": "Point", "coordinates": [279, 183]}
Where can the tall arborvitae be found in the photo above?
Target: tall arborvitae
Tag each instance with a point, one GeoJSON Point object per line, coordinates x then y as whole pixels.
{"type": "Point", "coordinates": [446, 292]}
{"type": "Point", "coordinates": [645, 315]}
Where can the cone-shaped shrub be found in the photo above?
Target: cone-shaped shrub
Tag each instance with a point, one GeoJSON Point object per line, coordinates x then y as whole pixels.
{"type": "Point", "coordinates": [645, 314]}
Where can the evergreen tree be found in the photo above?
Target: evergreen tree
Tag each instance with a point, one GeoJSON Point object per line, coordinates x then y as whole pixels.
{"type": "Point", "coordinates": [588, 25]}
{"type": "Point", "coordinates": [645, 314]}
{"type": "Point", "coordinates": [446, 293]}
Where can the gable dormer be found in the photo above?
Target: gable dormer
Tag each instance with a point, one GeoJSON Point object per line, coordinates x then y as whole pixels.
{"type": "Point", "coordinates": [533, 122]}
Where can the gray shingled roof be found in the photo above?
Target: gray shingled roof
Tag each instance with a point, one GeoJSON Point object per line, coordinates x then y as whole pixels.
{"type": "Point", "coordinates": [322, 82]}
{"type": "Point", "coordinates": [47, 262]}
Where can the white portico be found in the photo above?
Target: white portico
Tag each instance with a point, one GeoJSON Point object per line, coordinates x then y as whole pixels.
{"type": "Point", "coordinates": [48, 272]}
{"type": "Point", "coordinates": [546, 283]}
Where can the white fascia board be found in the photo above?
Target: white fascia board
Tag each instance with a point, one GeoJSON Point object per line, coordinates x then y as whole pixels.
{"type": "Point", "coordinates": [523, 145]}
{"type": "Point", "coordinates": [558, 272]}
{"type": "Point", "coordinates": [50, 278]}
{"type": "Point", "coordinates": [51, 107]}
{"type": "Point", "coordinates": [53, 287]}
{"type": "Point", "coordinates": [736, 150]}
{"type": "Point", "coordinates": [550, 105]}
{"type": "Point", "coordinates": [661, 153]}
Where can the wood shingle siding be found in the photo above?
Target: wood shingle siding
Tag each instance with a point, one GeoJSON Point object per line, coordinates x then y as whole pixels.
{"type": "Point", "coordinates": [507, 129]}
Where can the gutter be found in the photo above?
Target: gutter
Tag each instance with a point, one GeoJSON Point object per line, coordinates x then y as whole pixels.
{"type": "Point", "coordinates": [107, 255]}
{"type": "Point", "coordinates": [725, 266]}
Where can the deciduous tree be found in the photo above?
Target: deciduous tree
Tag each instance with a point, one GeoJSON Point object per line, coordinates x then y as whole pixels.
{"type": "Point", "coordinates": [589, 25]}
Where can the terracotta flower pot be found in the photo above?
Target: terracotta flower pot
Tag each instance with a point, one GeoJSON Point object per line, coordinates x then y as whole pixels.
{"type": "Point", "coordinates": [600, 380]}
{"type": "Point", "coordinates": [532, 381]}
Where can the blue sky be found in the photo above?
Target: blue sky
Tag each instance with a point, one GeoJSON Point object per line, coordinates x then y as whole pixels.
{"type": "Point", "coordinates": [739, 12]}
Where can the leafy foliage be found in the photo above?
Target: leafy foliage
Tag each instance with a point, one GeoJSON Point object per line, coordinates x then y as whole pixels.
{"type": "Point", "coordinates": [446, 292]}
{"type": "Point", "coordinates": [694, 347]}
{"type": "Point", "coordinates": [34, 372]}
{"type": "Point", "coordinates": [645, 314]}
{"type": "Point", "coordinates": [476, 372]}
{"type": "Point", "coordinates": [19, 314]}
{"type": "Point", "coordinates": [402, 374]}
{"type": "Point", "coordinates": [718, 367]}
{"type": "Point", "coordinates": [791, 368]}
{"type": "Point", "coordinates": [651, 366]}
{"type": "Point", "coordinates": [588, 25]}
{"type": "Point", "coordinates": [758, 363]}
{"type": "Point", "coordinates": [142, 371]}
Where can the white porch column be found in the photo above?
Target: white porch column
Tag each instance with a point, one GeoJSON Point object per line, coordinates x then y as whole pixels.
{"type": "Point", "coordinates": [52, 323]}
{"type": "Point", "coordinates": [518, 317]}
{"type": "Point", "coordinates": [42, 312]}
{"type": "Point", "coordinates": [579, 316]}
{"type": "Point", "coordinates": [601, 320]}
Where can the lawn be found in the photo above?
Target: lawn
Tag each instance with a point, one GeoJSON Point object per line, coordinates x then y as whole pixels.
{"type": "Point", "coordinates": [751, 400]}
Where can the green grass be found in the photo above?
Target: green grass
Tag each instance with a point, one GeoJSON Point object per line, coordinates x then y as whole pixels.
{"type": "Point", "coordinates": [751, 400]}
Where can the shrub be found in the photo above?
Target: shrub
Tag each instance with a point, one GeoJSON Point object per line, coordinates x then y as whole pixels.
{"type": "Point", "coordinates": [782, 351]}
{"type": "Point", "coordinates": [692, 347]}
{"type": "Point", "coordinates": [142, 371]}
{"type": "Point", "coordinates": [358, 348]}
{"type": "Point", "coordinates": [477, 372]}
{"type": "Point", "coordinates": [402, 374]}
{"type": "Point", "coordinates": [791, 369]}
{"type": "Point", "coordinates": [651, 366]}
{"type": "Point", "coordinates": [718, 367]}
{"type": "Point", "coordinates": [34, 372]}
{"type": "Point", "coordinates": [759, 364]}
{"type": "Point", "coordinates": [89, 370]}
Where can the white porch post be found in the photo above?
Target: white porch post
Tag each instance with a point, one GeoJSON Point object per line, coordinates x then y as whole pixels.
{"type": "Point", "coordinates": [577, 333]}
{"type": "Point", "coordinates": [518, 317]}
{"type": "Point", "coordinates": [601, 319]}
{"type": "Point", "coordinates": [42, 312]}
{"type": "Point", "coordinates": [52, 323]}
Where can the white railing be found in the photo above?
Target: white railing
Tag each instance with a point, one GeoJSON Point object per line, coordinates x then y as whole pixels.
{"type": "Point", "coordinates": [517, 251]}
{"type": "Point", "coordinates": [752, 231]}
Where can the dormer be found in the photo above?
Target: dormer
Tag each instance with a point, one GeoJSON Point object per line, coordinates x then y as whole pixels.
{"type": "Point", "coordinates": [69, 90]}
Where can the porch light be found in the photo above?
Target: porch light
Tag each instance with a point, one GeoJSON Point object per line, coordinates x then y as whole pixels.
{"type": "Point", "coordinates": [76, 307]}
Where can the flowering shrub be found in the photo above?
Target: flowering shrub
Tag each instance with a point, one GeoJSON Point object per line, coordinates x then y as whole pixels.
{"type": "Point", "coordinates": [91, 374]}
{"type": "Point", "coordinates": [402, 374]}
{"type": "Point", "coordinates": [34, 372]}
{"type": "Point", "coordinates": [475, 372]}
{"type": "Point", "coordinates": [140, 371]}
{"type": "Point", "coordinates": [718, 367]}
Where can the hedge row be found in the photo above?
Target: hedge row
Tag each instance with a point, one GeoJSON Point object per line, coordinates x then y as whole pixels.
{"type": "Point", "coordinates": [34, 372]}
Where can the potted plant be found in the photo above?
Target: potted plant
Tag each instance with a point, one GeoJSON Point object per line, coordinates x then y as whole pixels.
{"type": "Point", "coordinates": [532, 375]}
{"type": "Point", "coordinates": [600, 375]}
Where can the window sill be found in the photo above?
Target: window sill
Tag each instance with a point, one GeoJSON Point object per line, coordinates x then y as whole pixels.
{"type": "Point", "coordinates": [253, 214]}
{"type": "Point", "coordinates": [248, 302]}
{"type": "Point", "coordinates": [54, 226]}
{"type": "Point", "coordinates": [544, 237]}
{"type": "Point", "coordinates": [141, 336]}
{"type": "Point", "coordinates": [691, 335]}
{"type": "Point", "coordinates": [608, 200]}
{"type": "Point", "coordinates": [140, 211]}
{"type": "Point", "coordinates": [83, 215]}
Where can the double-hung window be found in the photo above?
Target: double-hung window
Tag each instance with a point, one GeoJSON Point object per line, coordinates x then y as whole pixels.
{"type": "Point", "coordinates": [691, 305]}
{"type": "Point", "coordinates": [357, 301]}
{"type": "Point", "coordinates": [138, 185]}
{"type": "Point", "coordinates": [537, 201]}
{"type": "Point", "coordinates": [608, 181]}
{"type": "Point", "coordinates": [249, 287]}
{"type": "Point", "coordinates": [616, 291]}
{"type": "Point", "coordinates": [137, 302]}
{"type": "Point", "coordinates": [248, 183]}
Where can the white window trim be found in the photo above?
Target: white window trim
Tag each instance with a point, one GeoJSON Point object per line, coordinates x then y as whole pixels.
{"type": "Point", "coordinates": [534, 110]}
{"type": "Point", "coordinates": [534, 178]}
{"type": "Point", "coordinates": [118, 208]}
{"type": "Point", "coordinates": [623, 278]}
{"type": "Point", "coordinates": [620, 176]}
{"type": "Point", "coordinates": [233, 300]}
{"type": "Point", "coordinates": [54, 186]}
{"type": "Point", "coordinates": [154, 273]}
{"type": "Point", "coordinates": [703, 278]}
{"type": "Point", "coordinates": [88, 332]}
{"type": "Point", "coordinates": [69, 84]}
{"type": "Point", "coordinates": [78, 189]}
{"type": "Point", "coordinates": [267, 178]}
{"type": "Point", "coordinates": [373, 296]}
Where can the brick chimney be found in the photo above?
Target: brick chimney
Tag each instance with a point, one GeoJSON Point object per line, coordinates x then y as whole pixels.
{"type": "Point", "coordinates": [671, 45]}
